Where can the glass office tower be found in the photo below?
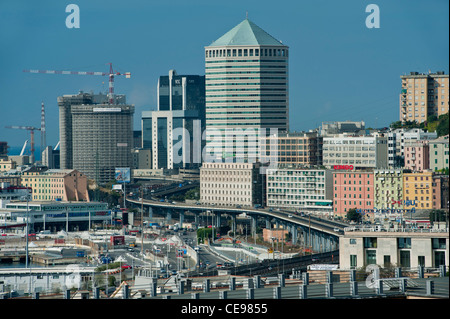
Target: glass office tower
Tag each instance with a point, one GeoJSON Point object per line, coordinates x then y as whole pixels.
{"type": "Point", "coordinates": [174, 131]}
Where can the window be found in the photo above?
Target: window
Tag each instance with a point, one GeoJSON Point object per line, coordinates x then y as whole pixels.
{"type": "Point", "coordinates": [370, 242]}
{"type": "Point", "coordinates": [421, 260]}
{"type": "Point", "coordinates": [371, 257]}
{"type": "Point", "coordinates": [405, 258]}
{"type": "Point", "coordinates": [404, 243]}
{"type": "Point", "coordinates": [353, 261]}
{"type": "Point", "coordinates": [439, 243]}
{"type": "Point", "coordinates": [387, 261]}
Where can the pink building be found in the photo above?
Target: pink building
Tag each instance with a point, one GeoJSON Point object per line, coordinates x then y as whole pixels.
{"type": "Point", "coordinates": [417, 156]}
{"type": "Point", "coordinates": [352, 189]}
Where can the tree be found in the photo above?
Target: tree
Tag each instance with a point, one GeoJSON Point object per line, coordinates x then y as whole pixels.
{"type": "Point", "coordinates": [443, 128]}
{"type": "Point", "coordinates": [353, 215]}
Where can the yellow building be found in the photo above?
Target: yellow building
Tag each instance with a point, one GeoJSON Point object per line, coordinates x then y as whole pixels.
{"type": "Point", "coordinates": [53, 184]}
{"type": "Point", "coordinates": [6, 165]}
{"type": "Point", "coordinates": [418, 190]}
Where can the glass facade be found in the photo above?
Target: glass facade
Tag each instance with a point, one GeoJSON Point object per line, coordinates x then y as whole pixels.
{"type": "Point", "coordinates": [162, 143]}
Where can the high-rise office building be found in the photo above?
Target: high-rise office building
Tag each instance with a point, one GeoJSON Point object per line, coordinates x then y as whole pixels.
{"type": "Point", "coordinates": [174, 131]}
{"type": "Point", "coordinates": [246, 73]}
{"type": "Point", "coordinates": [96, 137]}
{"type": "Point", "coordinates": [423, 95]}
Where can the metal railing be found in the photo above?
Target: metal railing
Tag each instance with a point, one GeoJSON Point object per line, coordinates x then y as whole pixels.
{"type": "Point", "coordinates": [339, 283]}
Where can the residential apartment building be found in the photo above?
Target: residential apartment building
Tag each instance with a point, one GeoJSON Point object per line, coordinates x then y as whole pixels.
{"type": "Point", "coordinates": [388, 188]}
{"type": "Point", "coordinates": [57, 184]}
{"type": "Point", "coordinates": [359, 151]}
{"type": "Point", "coordinates": [294, 149]}
{"type": "Point", "coordinates": [418, 190]}
{"type": "Point", "coordinates": [231, 184]}
{"type": "Point", "coordinates": [406, 249]}
{"type": "Point", "coordinates": [439, 154]}
{"type": "Point", "coordinates": [246, 73]}
{"type": "Point", "coordinates": [304, 189]}
{"type": "Point", "coordinates": [417, 155]}
{"type": "Point", "coordinates": [352, 189]}
{"type": "Point", "coordinates": [424, 95]}
{"type": "Point", "coordinates": [440, 191]}
{"type": "Point", "coordinates": [396, 143]}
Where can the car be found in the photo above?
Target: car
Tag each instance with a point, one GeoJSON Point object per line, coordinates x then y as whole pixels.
{"type": "Point", "coordinates": [125, 266]}
{"type": "Point", "coordinates": [290, 216]}
{"type": "Point", "coordinates": [336, 229]}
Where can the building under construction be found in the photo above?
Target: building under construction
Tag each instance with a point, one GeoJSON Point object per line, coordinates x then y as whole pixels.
{"type": "Point", "coordinates": [96, 136]}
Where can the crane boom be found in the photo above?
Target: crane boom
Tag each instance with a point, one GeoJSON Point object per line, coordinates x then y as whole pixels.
{"type": "Point", "coordinates": [111, 76]}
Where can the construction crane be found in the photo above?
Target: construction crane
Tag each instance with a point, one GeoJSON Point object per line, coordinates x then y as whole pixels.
{"type": "Point", "coordinates": [111, 76]}
{"type": "Point", "coordinates": [31, 129]}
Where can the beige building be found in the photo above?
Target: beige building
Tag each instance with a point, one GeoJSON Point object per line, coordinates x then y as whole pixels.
{"type": "Point", "coordinates": [294, 149]}
{"type": "Point", "coordinates": [231, 184]}
{"type": "Point", "coordinates": [6, 165]}
{"type": "Point", "coordinates": [423, 95]}
{"type": "Point", "coordinates": [57, 184]}
{"type": "Point", "coordinates": [407, 249]}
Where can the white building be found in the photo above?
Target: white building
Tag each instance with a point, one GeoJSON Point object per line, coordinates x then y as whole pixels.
{"type": "Point", "coordinates": [231, 184]}
{"type": "Point", "coordinates": [305, 189]}
{"type": "Point", "coordinates": [360, 151]}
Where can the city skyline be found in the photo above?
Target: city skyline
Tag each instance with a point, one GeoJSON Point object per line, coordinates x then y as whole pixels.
{"type": "Point", "coordinates": [338, 68]}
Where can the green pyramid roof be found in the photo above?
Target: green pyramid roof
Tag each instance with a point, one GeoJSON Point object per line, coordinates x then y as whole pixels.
{"type": "Point", "coordinates": [246, 33]}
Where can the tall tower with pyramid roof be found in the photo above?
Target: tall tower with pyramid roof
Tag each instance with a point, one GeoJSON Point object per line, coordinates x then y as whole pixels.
{"type": "Point", "coordinates": [246, 78]}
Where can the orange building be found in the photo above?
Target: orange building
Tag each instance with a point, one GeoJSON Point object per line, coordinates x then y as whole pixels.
{"type": "Point", "coordinates": [418, 190]}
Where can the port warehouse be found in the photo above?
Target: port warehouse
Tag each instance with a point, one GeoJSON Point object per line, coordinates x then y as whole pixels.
{"type": "Point", "coordinates": [55, 216]}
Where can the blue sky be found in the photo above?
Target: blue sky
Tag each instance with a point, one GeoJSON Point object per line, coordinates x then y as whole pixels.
{"type": "Point", "coordinates": [338, 68]}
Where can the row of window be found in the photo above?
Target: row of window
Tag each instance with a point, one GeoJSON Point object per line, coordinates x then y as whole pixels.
{"type": "Point", "coordinates": [219, 53]}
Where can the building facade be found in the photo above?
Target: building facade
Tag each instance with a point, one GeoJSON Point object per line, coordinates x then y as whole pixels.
{"type": "Point", "coordinates": [424, 95]}
{"type": "Point", "coordinates": [57, 184]}
{"type": "Point", "coordinates": [294, 149]}
{"type": "Point", "coordinates": [359, 151]}
{"type": "Point", "coordinates": [173, 133]}
{"type": "Point", "coordinates": [406, 249]}
{"type": "Point", "coordinates": [56, 215]}
{"type": "Point", "coordinates": [246, 73]}
{"type": "Point", "coordinates": [439, 154]}
{"type": "Point", "coordinates": [95, 137]}
{"type": "Point", "coordinates": [231, 184]}
{"type": "Point", "coordinates": [304, 189]}
{"type": "Point", "coordinates": [418, 190]}
{"type": "Point", "coordinates": [396, 143]}
{"type": "Point", "coordinates": [417, 156]}
{"type": "Point", "coordinates": [352, 190]}
{"type": "Point", "coordinates": [388, 188]}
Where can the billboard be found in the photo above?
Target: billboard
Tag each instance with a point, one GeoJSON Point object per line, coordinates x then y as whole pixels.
{"type": "Point", "coordinates": [123, 175]}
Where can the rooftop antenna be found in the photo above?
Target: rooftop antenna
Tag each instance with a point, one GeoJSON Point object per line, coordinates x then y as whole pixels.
{"type": "Point", "coordinates": [246, 14]}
